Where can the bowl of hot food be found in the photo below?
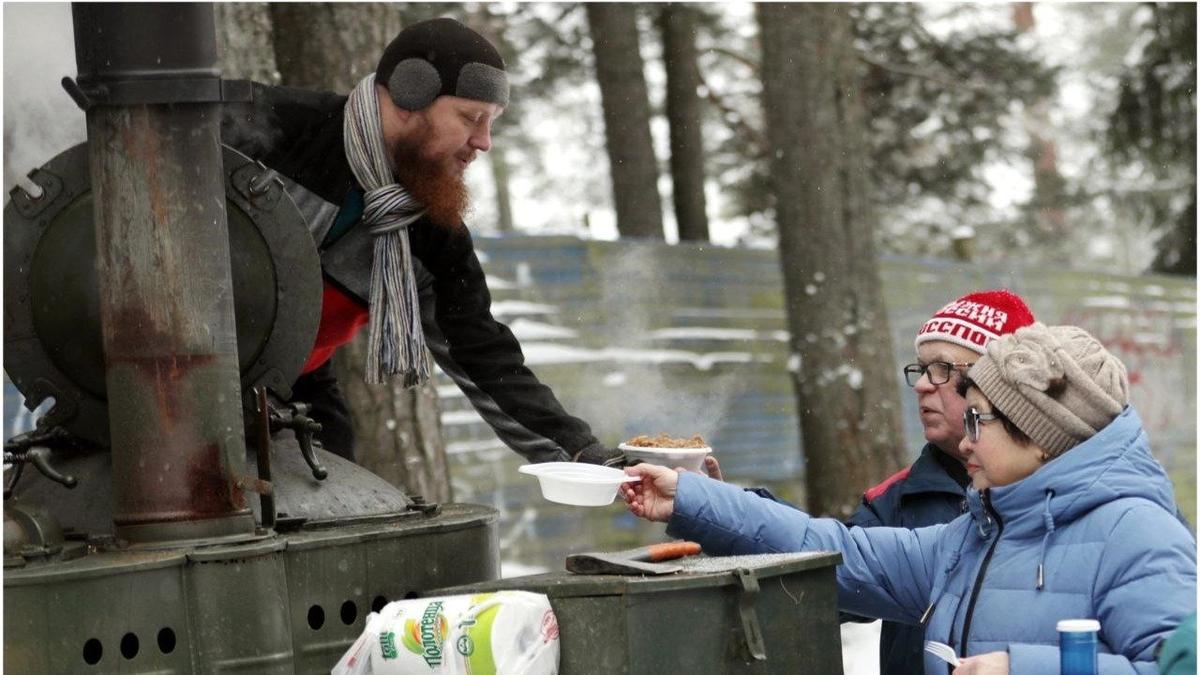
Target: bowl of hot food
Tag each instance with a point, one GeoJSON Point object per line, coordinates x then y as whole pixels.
{"type": "Point", "coordinates": [686, 453]}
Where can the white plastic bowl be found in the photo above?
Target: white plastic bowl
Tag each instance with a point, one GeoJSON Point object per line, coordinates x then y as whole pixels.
{"type": "Point", "coordinates": [691, 459]}
{"type": "Point", "coordinates": [577, 484]}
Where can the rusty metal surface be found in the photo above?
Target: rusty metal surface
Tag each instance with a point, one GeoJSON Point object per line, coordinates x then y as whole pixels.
{"type": "Point", "coordinates": [52, 337]}
{"type": "Point", "coordinates": [350, 492]}
{"type": "Point", "coordinates": [164, 278]}
{"type": "Point", "coordinates": [166, 321]}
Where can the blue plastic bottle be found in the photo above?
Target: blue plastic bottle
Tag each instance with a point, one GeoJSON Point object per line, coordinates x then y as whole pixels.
{"type": "Point", "coordinates": [1078, 645]}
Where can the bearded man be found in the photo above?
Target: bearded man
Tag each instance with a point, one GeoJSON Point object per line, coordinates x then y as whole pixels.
{"type": "Point", "coordinates": [378, 176]}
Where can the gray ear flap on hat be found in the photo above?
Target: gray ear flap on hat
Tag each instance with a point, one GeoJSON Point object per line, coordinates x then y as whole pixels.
{"type": "Point", "coordinates": [414, 84]}
{"type": "Point", "coordinates": [482, 82]}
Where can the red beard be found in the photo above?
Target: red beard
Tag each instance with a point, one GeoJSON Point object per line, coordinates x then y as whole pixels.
{"type": "Point", "coordinates": [434, 183]}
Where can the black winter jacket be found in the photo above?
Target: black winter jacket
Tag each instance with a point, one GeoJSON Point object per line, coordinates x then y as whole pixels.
{"type": "Point", "coordinates": [298, 133]}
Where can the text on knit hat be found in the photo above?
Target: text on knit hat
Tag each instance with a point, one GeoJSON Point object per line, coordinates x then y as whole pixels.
{"type": "Point", "coordinates": [976, 319]}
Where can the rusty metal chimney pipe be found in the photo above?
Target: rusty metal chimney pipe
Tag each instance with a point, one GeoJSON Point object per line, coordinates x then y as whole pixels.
{"type": "Point", "coordinates": [147, 73]}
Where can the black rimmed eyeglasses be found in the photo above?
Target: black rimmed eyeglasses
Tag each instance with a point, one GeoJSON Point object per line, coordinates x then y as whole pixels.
{"type": "Point", "coordinates": [939, 372]}
{"type": "Point", "coordinates": [971, 419]}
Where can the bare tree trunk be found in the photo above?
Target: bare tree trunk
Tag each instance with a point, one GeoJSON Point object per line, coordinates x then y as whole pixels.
{"type": "Point", "coordinates": [1048, 183]}
{"type": "Point", "coordinates": [331, 46]}
{"type": "Point", "coordinates": [493, 27]}
{"type": "Point", "coordinates": [678, 24]}
{"type": "Point", "coordinates": [399, 430]}
{"type": "Point", "coordinates": [845, 378]}
{"type": "Point", "coordinates": [245, 41]}
{"type": "Point", "coordinates": [499, 162]}
{"type": "Point", "coordinates": [626, 106]}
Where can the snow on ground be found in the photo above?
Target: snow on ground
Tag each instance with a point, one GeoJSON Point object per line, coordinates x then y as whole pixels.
{"type": "Point", "coordinates": [703, 333]}
{"type": "Point", "coordinates": [527, 330]}
{"type": "Point", "coordinates": [502, 309]}
{"type": "Point", "coordinates": [542, 353]}
{"type": "Point", "coordinates": [509, 569]}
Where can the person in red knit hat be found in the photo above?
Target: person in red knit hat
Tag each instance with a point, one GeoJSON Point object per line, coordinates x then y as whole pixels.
{"type": "Point", "coordinates": [933, 489]}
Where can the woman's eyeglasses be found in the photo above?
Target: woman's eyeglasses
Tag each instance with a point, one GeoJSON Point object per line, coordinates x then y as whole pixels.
{"type": "Point", "coordinates": [971, 419]}
{"type": "Point", "coordinates": [939, 372]}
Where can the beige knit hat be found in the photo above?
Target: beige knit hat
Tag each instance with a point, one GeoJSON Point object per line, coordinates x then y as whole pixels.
{"type": "Point", "coordinates": [1058, 384]}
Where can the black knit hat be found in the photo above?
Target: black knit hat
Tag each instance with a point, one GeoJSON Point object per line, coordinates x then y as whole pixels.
{"type": "Point", "coordinates": [441, 57]}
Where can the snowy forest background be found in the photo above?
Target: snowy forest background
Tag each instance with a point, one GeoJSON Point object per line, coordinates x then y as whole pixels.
{"type": "Point", "coordinates": [1055, 136]}
{"type": "Point", "coordinates": [1057, 133]}
{"type": "Point", "coordinates": [1020, 136]}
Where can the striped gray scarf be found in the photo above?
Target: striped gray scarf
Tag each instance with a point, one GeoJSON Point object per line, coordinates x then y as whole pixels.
{"type": "Point", "coordinates": [397, 343]}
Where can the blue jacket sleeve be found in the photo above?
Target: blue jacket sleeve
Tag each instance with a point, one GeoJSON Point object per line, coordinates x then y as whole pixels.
{"type": "Point", "coordinates": [1140, 598]}
{"type": "Point", "coordinates": [885, 572]}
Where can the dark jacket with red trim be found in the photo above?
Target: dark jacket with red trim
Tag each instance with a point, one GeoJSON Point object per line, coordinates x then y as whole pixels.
{"type": "Point", "coordinates": [298, 133]}
{"type": "Point", "coordinates": [930, 492]}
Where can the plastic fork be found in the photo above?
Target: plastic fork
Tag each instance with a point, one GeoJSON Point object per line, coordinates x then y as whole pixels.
{"type": "Point", "coordinates": [942, 651]}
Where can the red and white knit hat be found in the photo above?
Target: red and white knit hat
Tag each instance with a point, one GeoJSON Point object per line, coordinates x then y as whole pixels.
{"type": "Point", "coordinates": [976, 319]}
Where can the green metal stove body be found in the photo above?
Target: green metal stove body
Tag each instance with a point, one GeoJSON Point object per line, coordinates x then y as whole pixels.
{"type": "Point", "coordinates": [167, 516]}
{"type": "Point", "coordinates": [768, 614]}
{"type": "Point", "coordinates": [291, 602]}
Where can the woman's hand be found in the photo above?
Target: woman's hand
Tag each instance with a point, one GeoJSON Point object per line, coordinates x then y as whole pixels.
{"type": "Point", "coordinates": [653, 497]}
{"type": "Point", "coordinates": [992, 663]}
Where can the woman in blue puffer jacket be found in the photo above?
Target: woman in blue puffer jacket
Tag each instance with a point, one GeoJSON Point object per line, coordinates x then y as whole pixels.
{"type": "Point", "coordinates": [1070, 518]}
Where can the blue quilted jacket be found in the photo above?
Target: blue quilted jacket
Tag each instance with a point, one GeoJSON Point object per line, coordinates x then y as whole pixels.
{"type": "Point", "coordinates": [1091, 534]}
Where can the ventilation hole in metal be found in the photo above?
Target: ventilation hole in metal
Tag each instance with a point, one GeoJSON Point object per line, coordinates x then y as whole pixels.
{"type": "Point", "coordinates": [92, 651]}
{"type": "Point", "coordinates": [349, 612]}
{"type": "Point", "coordinates": [129, 646]}
{"type": "Point", "coordinates": [378, 603]}
{"type": "Point", "coordinates": [166, 640]}
{"type": "Point", "coordinates": [316, 617]}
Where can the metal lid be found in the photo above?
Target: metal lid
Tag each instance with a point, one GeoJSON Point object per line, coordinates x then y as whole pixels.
{"type": "Point", "coordinates": [52, 338]}
{"type": "Point", "coordinates": [698, 572]}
